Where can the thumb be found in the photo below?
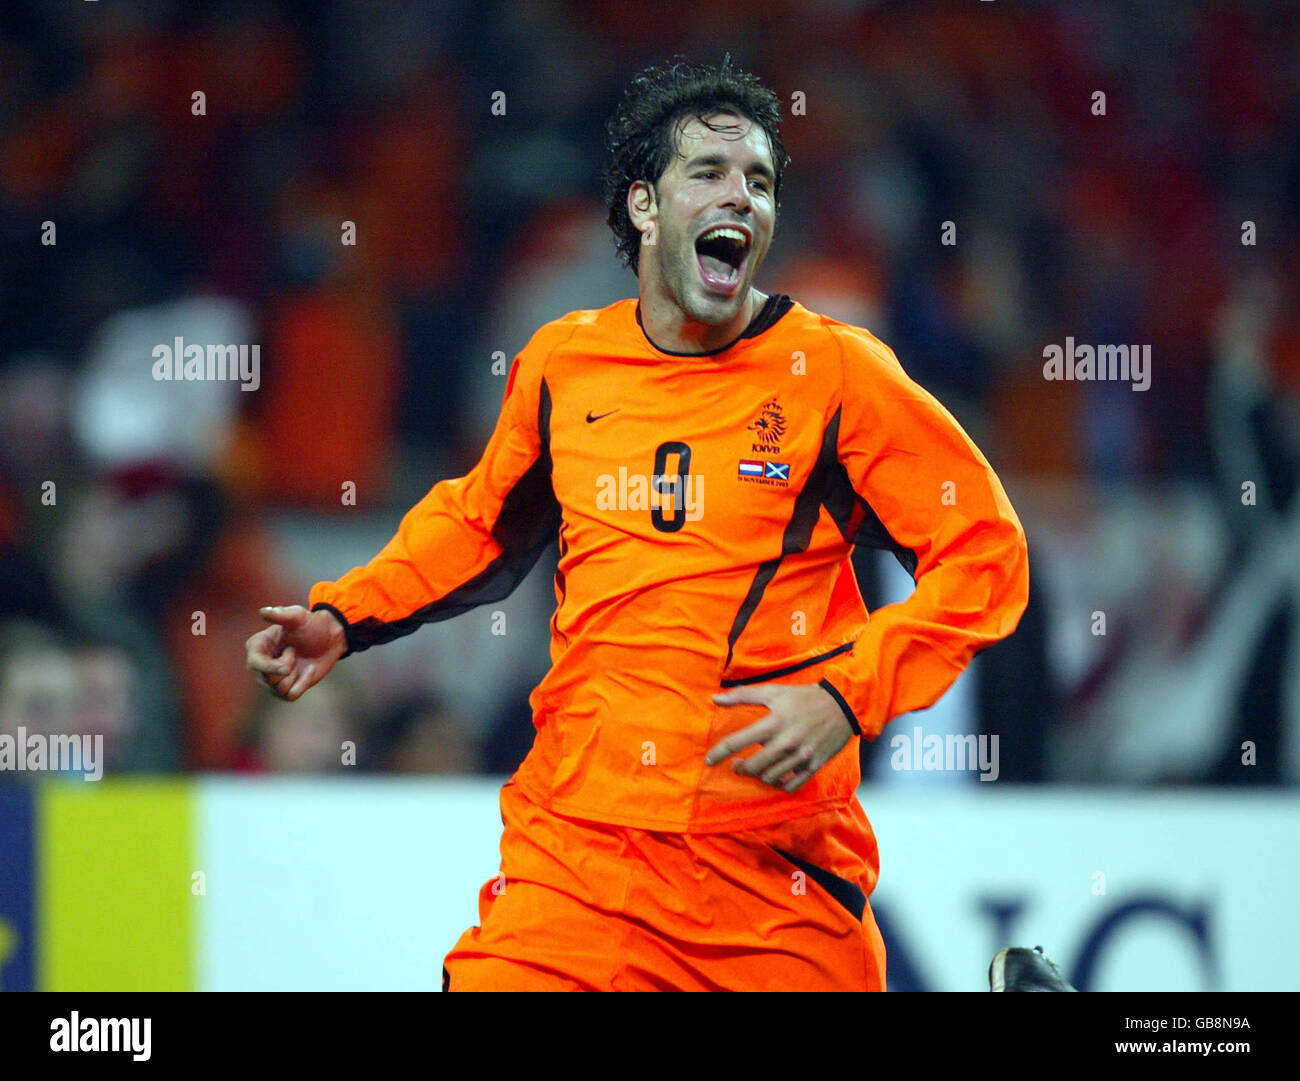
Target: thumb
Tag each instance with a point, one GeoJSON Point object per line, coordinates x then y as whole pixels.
{"type": "Point", "coordinates": [291, 618]}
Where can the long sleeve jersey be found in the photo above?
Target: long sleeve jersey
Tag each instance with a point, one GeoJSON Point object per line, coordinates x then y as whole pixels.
{"type": "Point", "coordinates": [706, 508]}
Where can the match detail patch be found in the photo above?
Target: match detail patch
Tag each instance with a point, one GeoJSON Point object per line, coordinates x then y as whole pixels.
{"type": "Point", "coordinates": [761, 471]}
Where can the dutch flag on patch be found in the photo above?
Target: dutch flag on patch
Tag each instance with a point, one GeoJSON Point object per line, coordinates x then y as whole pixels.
{"type": "Point", "coordinates": [749, 468]}
{"type": "Point", "coordinates": [778, 470]}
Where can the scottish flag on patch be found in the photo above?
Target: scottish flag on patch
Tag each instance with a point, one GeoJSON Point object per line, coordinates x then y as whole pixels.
{"type": "Point", "coordinates": [778, 471]}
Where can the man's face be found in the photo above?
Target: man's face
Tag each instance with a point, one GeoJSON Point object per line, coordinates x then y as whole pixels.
{"type": "Point", "coordinates": [707, 224]}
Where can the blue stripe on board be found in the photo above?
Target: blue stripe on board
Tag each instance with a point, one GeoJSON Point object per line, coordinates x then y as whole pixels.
{"type": "Point", "coordinates": [17, 889]}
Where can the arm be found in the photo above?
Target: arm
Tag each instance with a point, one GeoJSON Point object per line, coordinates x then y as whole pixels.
{"type": "Point", "coordinates": [470, 541]}
{"type": "Point", "coordinates": [923, 489]}
{"type": "Point", "coordinates": [918, 475]}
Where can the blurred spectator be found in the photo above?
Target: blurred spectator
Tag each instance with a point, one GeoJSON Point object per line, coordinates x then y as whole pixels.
{"type": "Point", "coordinates": [51, 688]}
{"type": "Point", "coordinates": [422, 737]}
{"type": "Point", "coordinates": [321, 733]}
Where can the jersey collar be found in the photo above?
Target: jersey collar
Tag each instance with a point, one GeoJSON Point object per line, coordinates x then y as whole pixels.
{"type": "Point", "coordinates": [772, 310]}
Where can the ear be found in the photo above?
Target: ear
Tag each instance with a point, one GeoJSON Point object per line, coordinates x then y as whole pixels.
{"type": "Point", "coordinates": [643, 209]}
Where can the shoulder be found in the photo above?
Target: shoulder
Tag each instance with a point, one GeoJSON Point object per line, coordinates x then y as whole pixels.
{"type": "Point", "coordinates": [558, 332]}
{"type": "Point", "coordinates": [861, 348]}
{"type": "Point", "coordinates": [550, 338]}
{"type": "Point", "coordinates": [859, 354]}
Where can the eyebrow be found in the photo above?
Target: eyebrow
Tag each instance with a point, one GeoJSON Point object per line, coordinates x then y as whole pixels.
{"type": "Point", "coordinates": [702, 160]}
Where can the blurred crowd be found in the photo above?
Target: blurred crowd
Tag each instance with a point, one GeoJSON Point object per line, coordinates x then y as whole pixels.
{"type": "Point", "coordinates": [190, 169]}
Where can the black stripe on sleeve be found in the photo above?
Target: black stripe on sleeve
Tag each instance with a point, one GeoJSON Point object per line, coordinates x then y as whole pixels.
{"type": "Point", "coordinates": [830, 688]}
{"type": "Point", "coordinates": [789, 669]}
{"type": "Point", "coordinates": [858, 522]}
{"type": "Point", "coordinates": [528, 522]}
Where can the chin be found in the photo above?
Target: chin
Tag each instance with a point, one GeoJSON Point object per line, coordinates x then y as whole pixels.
{"type": "Point", "coordinates": [705, 306]}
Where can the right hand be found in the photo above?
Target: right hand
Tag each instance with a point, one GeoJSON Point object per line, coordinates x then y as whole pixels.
{"type": "Point", "coordinates": [296, 651]}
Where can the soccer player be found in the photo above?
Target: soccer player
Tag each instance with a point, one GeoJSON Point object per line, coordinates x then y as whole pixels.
{"type": "Point", "coordinates": [708, 456]}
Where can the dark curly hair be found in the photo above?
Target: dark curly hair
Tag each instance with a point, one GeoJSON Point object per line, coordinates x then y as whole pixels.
{"type": "Point", "coordinates": [642, 133]}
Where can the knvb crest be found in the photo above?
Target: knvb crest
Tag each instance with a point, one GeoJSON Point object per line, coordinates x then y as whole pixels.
{"type": "Point", "coordinates": [768, 429]}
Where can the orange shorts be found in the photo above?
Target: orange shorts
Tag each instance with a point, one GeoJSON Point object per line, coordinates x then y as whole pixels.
{"type": "Point", "coordinates": [584, 906]}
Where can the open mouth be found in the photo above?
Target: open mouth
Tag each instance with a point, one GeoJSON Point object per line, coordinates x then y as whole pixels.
{"type": "Point", "coordinates": [721, 252]}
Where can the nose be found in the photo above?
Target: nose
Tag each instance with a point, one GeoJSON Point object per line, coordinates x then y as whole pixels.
{"type": "Point", "coordinates": [735, 195]}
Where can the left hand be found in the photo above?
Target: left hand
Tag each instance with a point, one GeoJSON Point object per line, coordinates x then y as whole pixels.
{"type": "Point", "coordinates": [803, 730]}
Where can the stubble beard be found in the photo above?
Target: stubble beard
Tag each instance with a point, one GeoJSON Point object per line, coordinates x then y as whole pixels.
{"type": "Point", "coordinates": [680, 276]}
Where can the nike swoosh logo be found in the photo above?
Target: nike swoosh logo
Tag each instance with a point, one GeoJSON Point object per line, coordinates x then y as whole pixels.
{"type": "Point", "coordinates": [591, 419]}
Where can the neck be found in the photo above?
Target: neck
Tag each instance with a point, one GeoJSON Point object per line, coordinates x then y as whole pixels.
{"type": "Point", "coordinates": [673, 330]}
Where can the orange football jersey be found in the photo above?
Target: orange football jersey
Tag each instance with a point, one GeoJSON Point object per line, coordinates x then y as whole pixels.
{"type": "Point", "coordinates": [706, 508]}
